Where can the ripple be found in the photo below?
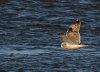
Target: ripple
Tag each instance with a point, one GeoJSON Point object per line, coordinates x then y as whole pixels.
{"type": "Point", "coordinates": [25, 52]}
{"type": "Point", "coordinates": [28, 35]}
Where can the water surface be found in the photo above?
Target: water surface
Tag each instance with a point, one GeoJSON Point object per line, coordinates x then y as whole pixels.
{"type": "Point", "coordinates": [28, 35]}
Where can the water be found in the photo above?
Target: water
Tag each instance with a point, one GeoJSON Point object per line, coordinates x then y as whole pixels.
{"type": "Point", "coordinates": [28, 35]}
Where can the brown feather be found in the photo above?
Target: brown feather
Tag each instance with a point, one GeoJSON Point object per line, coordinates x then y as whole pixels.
{"type": "Point", "coordinates": [73, 32]}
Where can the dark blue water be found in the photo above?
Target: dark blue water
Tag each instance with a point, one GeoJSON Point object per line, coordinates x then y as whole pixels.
{"type": "Point", "coordinates": [28, 35]}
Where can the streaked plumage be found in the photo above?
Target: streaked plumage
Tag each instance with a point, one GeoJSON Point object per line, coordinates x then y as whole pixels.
{"type": "Point", "coordinates": [71, 39]}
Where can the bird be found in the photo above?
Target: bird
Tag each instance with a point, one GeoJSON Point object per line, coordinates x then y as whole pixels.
{"type": "Point", "coordinates": [71, 38]}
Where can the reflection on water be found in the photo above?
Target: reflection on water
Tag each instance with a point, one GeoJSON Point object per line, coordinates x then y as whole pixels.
{"type": "Point", "coordinates": [28, 35]}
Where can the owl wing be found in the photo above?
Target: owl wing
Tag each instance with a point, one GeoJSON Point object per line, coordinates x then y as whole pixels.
{"type": "Point", "coordinates": [64, 38]}
{"type": "Point", "coordinates": [73, 32]}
